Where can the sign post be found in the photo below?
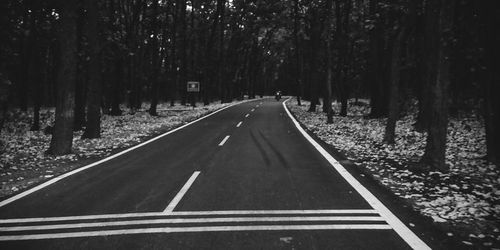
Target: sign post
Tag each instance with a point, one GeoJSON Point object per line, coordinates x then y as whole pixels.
{"type": "Point", "coordinates": [193, 87]}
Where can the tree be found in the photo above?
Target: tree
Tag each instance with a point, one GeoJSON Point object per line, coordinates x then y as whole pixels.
{"type": "Point", "coordinates": [93, 126]}
{"type": "Point", "coordinates": [329, 58]}
{"type": "Point", "coordinates": [297, 50]}
{"type": "Point", "coordinates": [440, 14]}
{"type": "Point", "coordinates": [398, 36]}
{"type": "Point", "coordinates": [489, 40]}
{"type": "Point", "coordinates": [154, 60]}
{"type": "Point", "coordinates": [62, 137]}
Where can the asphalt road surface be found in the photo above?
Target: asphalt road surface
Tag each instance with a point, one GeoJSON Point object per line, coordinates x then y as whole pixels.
{"type": "Point", "coordinates": [246, 177]}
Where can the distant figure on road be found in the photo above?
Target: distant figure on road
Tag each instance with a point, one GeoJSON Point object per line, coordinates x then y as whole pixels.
{"type": "Point", "coordinates": [278, 95]}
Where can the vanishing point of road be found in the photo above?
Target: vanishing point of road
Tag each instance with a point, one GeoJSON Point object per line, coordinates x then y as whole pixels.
{"type": "Point", "coordinates": [245, 177]}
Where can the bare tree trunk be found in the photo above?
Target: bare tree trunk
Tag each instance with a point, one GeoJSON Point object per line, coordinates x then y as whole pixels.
{"type": "Point", "coordinates": [435, 150]}
{"type": "Point", "coordinates": [423, 33]}
{"type": "Point", "coordinates": [490, 39]}
{"type": "Point", "coordinates": [298, 76]}
{"type": "Point", "coordinates": [328, 83]}
{"type": "Point", "coordinates": [375, 65]}
{"type": "Point", "coordinates": [155, 88]}
{"type": "Point", "coordinates": [314, 44]}
{"type": "Point", "coordinates": [93, 128]}
{"type": "Point", "coordinates": [4, 96]}
{"type": "Point", "coordinates": [81, 77]}
{"type": "Point", "coordinates": [183, 70]}
{"type": "Point", "coordinates": [390, 128]}
{"type": "Point", "coordinates": [62, 138]}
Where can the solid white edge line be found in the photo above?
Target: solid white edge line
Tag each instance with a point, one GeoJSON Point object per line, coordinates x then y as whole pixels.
{"type": "Point", "coordinates": [60, 177]}
{"type": "Point", "coordinates": [239, 124]}
{"type": "Point", "coordinates": [197, 229]}
{"type": "Point", "coordinates": [191, 221]}
{"type": "Point", "coordinates": [401, 229]}
{"type": "Point", "coordinates": [224, 140]}
{"type": "Point", "coordinates": [171, 206]}
{"type": "Point", "coordinates": [188, 213]}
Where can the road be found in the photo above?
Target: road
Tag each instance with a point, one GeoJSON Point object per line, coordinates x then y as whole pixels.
{"type": "Point", "coordinates": [243, 178]}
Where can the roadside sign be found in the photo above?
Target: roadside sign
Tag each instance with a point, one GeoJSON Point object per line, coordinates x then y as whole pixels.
{"type": "Point", "coordinates": [193, 86]}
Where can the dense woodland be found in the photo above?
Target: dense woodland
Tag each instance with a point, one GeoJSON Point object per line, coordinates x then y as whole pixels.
{"type": "Point", "coordinates": [85, 58]}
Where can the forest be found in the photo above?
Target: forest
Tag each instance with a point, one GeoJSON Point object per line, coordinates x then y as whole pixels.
{"type": "Point", "coordinates": [87, 58]}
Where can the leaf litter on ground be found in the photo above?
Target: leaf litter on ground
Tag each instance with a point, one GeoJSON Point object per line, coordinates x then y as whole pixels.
{"type": "Point", "coordinates": [466, 199]}
{"type": "Point", "coordinates": [23, 161]}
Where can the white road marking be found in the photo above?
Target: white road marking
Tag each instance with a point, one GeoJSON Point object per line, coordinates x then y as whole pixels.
{"type": "Point", "coordinates": [60, 177]}
{"type": "Point", "coordinates": [239, 124]}
{"type": "Point", "coordinates": [224, 140]}
{"type": "Point", "coordinates": [247, 115]}
{"type": "Point", "coordinates": [188, 213]}
{"type": "Point", "coordinates": [401, 229]}
{"type": "Point", "coordinates": [171, 206]}
{"type": "Point", "coordinates": [191, 220]}
{"type": "Point", "coordinates": [197, 229]}
{"type": "Point", "coordinates": [252, 110]}
{"type": "Point", "coordinates": [260, 212]}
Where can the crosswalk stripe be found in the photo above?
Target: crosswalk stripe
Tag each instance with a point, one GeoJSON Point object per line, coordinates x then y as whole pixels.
{"type": "Point", "coordinates": [192, 220]}
{"type": "Point", "coordinates": [197, 229]}
{"type": "Point", "coordinates": [187, 213]}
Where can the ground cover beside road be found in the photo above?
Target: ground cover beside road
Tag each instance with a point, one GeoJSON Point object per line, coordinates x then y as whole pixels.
{"type": "Point", "coordinates": [23, 161]}
{"type": "Point", "coordinates": [465, 201]}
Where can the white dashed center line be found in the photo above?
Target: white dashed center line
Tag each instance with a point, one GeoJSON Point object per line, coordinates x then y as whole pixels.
{"type": "Point", "coordinates": [252, 110]}
{"type": "Point", "coordinates": [224, 140]}
{"type": "Point", "coordinates": [239, 124]}
{"type": "Point", "coordinates": [247, 115]}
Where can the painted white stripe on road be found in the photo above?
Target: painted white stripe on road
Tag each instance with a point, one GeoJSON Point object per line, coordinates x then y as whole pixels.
{"type": "Point", "coordinates": [401, 229]}
{"type": "Point", "coordinates": [191, 220]}
{"type": "Point", "coordinates": [181, 193]}
{"type": "Point", "coordinates": [224, 140]}
{"type": "Point", "coordinates": [60, 177]}
{"type": "Point", "coordinates": [197, 229]}
{"type": "Point", "coordinates": [247, 115]}
{"type": "Point", "coordinates": [252, 110]}
{"type": "Point", "coordinates": [261, 212]}
{"type": "Point", "coordinates": [239, 124]}
{"type": "Point", "coordinates": [187, 213]}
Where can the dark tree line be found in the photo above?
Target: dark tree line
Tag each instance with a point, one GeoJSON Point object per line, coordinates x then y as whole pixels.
{"type": "Point", "coordinates": [442, 53]}
{"type": "Point", "coordinates": [90, 57]}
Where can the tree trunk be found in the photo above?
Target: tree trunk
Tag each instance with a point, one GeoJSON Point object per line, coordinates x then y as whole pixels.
{"type": "Point", "coordinates": [93, 128]}
{"type": "Point", "coordinates": [298, 66]}
{"type": "Point", "coordinates": [328, 83]}
{"type": "Point", "coordinates": [81, 77]}
{"type": "Point", "coordinates": [4, 97]}
{"type": "Point", "coordinates": [390, 128]}
{"type": "Point", "coordinates": [314, 45]}
{"type": "Point", "coordinates": [442, 17]}
{"type": "Point", "coordinates": [423, 31]}
{"type": "Point", "coordinates": [375, 68]}
{"type": "Point", "coordinates": [490, 39]}
{"type": "Point", "coordinates": [343, 46]}
{"type": "Point", "coordinates": [183, 68]}
{"type": "Point", "coordinates": [62, 138]}
{"type": "Point", "coordinates": [116, 88]}
{"type": "Point", "coordinates": [173, 56]}
{"type": "Point", "coordinates": [155, 88]}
